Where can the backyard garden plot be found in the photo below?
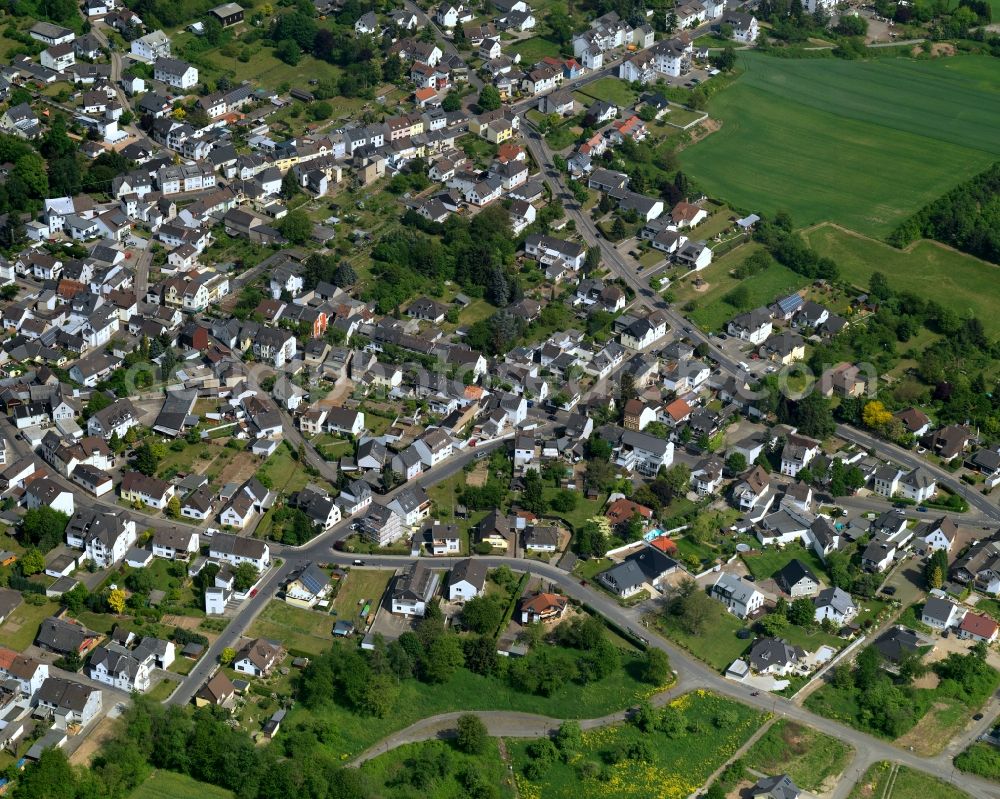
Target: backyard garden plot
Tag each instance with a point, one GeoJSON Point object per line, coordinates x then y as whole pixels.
{"type": "Point", "coordinates": [895, 132]}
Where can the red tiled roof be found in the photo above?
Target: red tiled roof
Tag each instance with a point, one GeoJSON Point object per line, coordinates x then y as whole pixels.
{"type": "Point", "coordinates": [623, 509]}
{"type": "Point", "coordinates": [664, 543]}
{"type": "Point", "coordinates": [983, 626]}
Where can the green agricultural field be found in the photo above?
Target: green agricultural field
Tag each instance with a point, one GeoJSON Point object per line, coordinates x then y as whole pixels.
{"type": "Point", "coordinates": [667, 767]}
{"type": "Point", "coordinates": [809, 757]}
{"type": "Point", "coordinates": [965, 284]}
{"type": "Point", "coordinates": [170, 785]}
{"type": "Point", "coordinates": [862, 143]}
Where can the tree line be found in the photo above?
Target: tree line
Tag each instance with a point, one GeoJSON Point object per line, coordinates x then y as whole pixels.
{"type": "Point", "coordinates": [967, 218]}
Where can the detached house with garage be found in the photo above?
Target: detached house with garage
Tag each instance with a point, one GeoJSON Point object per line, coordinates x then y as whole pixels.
{"type": "Point", "coordinates": [835, 604]}
{"type": "Point", "coordinates": [249, 499]}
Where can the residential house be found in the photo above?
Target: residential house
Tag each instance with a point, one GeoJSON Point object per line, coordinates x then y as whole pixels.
{"type": "Point", "coordinates": [918, 485]}
{"type": "Point", "coordinates": [150, 491]}
{"type": "Point", "coordinates": [542, 607]}
{"type": "Point", "coordinates": [68, 702]}
{"type": "Point", "coordinates": [835, 604]}
{"type": "Point", "coordinates": [258, 658]}
{"type": "Point", "coordinates": [381, 525]}
{"type": "Point", "coordinates": [978, 627]}
{"type": "Point", "coordinates": [234, 549]}
{"type": "Point", "coordinates": [104, 536]}
{"type": "Point", "coordinates": [413, 590]}
{"type": "Point", "coordinates": [941, 614]}
{"type": "Point", "coordinates": [175, 543]}
{"type": "Point", "coordinates": [741, 598]}
{"type": "Point", "coordinates": [466, 580]}
{"type": "Point", "coordinates": [797, 580]}
{"type": "Point", "coordinates": [65, 637]}
{"type": "Point", "coordinates": [308, 586]}
{"type": "Point", "coordinates": [797, 454]}
{"type": "Point", "coordinates": [776, 787]}
{"type": "Point", "coordinates": [753, 326]}
{"type": "Point", "coordinates": [775, 656]}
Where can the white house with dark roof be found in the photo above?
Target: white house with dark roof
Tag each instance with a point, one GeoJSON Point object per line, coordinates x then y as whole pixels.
{"type": "Point", "coordinates": [835, 604]}
{"type": "Point", "coordinates": [235, 550]}
{"type": "Point", "coordinates": [740, 597]}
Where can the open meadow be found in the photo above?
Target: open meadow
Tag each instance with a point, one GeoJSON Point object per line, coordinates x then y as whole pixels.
{"type": "Point", "coordinates": [965, 284]}
{"type": "Point", "coordinates": [861, 143]}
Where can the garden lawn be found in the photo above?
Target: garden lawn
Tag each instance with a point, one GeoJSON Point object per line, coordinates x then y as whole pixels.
{"type": "Point", "coordinates": [906, 783]}
{"type": "Point", "coordinates": [770, 561]}
{"type": "Point", "coordinates": [611, 90]}
{"type": "Point", "coordinates": [689, 548]}
{"type": "Point", "coordinates": [301, 630]}
{"type": "Point", "coordinates": [964, 284]}
{"type": "Point", "coordinates": [286, 473]}
{"type": "Point", "coordinates": [20, 628]}
{"type": "Point", "coordinates": [887, 148]}
{"type": "Point", "coordinates": [677, 766]}
{"type": "Point", "coordinates": [170, 785]}
{"type": "Point", "coordinates": [350, 734]}
{"type": "Point", "coordinates": [387, 775]}
{"type": "Point", "coordinates": [585, 508]}
{"type": "Point", "coordinates": [809, 757]}
{"type": "Point", "coordinates": [368, 584]}
{"type": "Point", "coordinates": [717, 643]}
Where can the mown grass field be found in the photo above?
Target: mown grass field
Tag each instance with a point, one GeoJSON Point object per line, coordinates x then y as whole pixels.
{"type": "Point", "coordinates": [966, 285]}
{"type": "Point", "coordinates": [717, 643]}
{"type": "Point", "coordinates": [169, 785]}
{"type": "Point", "coordinates": [676, 768]}
{"type": "Point", "coordinates": [611, 90]}
{"type": "Point", "coordinates": [861, 143]}
{"type": "Point", "coordinates": [534, 49]}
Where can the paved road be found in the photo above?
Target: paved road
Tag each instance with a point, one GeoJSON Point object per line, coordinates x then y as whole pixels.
{"type": "Point", "coordinates": [318, 549]}
{"type": "Point", "coordinates": [691, 675]}
{"type": "Point", "coordinates": [912, 460]}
